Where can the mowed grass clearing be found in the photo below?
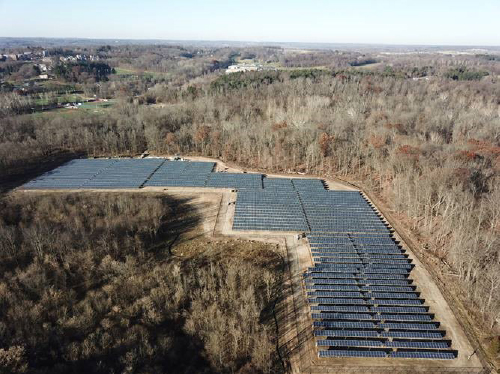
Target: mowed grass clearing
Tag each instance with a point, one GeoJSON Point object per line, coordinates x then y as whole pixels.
{"type": "Point", "coordinates": [99, 107]}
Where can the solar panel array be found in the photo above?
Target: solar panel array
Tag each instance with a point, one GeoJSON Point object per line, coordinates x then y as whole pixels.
{"type": "Point", "coordinates": [240, 181]}
{"type": "Point", "coordinates": [124, 173]}
{"type": "Point", "coordinates": [269, 210]}
{"type": "Point", "coordinates": [363, 301]}
{"type": "Point", "coordinates": [181, 174]}
{"type": "Point", "coordinates": [340, 211]}
{"type": "Point", "coordinates": [71, 175]}
{"type": "Point", "coordinates": [148, 172]}
{"type": "Point", "coordinates": [362, 298]}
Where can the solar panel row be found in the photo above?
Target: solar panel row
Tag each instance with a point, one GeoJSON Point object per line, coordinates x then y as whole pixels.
{"type": "Point", "coordinates": [360, 282]}
{"type": "Point", "coordinates": [70, 175]}
{"type": "Point", "coordinates": [383, 343]}
{"type": "Point", "coordinates": [364, 301]}
{"type": "Point", "coordinates": [366, 316]}
{"type": "Point", "coordinates": [376, 325]}
{"type": "Point", "coordinates": [352, 353]}
{"type": "Point", "coordinates": [343, 333]}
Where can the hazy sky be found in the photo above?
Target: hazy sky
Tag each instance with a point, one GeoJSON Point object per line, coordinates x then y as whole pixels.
{"type": "Point", "coordinates": [464, 22]}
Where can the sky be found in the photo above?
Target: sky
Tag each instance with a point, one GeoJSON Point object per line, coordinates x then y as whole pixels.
{"type": "Point", "coordinates": [420, 22]}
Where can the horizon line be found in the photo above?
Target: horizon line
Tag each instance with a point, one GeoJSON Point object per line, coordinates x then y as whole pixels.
{"type": "Point", "coordinates": [250, 41]}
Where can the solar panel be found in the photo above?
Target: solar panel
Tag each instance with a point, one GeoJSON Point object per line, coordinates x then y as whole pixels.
{"type": "Point", "coordinates": [181, 174]}
{"type": "Point", "coordinates": [393, 309]}
{"type": "Point", "coordinates": [353, 316]}
{"type": "Point", "coordinates": [330, 308]}
{"type": "Point", "coordinates": [71, 175]}
{"type": "Point", "coordinates": [409, 326]}
{"type": "Point", "coordinates": [319, 280]}
{"type": "Point", "coordinates": [418, 344]}
{"type": "Point", "coordinates": [346, 333]}
{"type": "Point", "coordinates": [413, 334]}
{"type": "Point", "coordinates": [335, 287]}
{"type": "Point", "coordinates": [428, 355]}
{"type": "Point", "coordinates": [348, 343]}
{"type": "Point", "coordinates": [335, 294]}
{"type": "Point", "coordinates": [336, 301]}
{"type": "Point", "coordinates": [235, 180]}
{"type": "Point", "coordinates": [348, 325]}
{"type": "Point", "coordinates": [351, 353]}
{"type": "Point", "coordinates": [405, 317]}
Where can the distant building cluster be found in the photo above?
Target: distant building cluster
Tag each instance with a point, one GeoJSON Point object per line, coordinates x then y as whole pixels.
{"type": "Point", "coordinates": [77, 58]}
{"type": "Point", "coordinates": [239, 68]}
{"type": "Point", "coordinates": [244, 68]}
{"type": "Point", "coordinates": [44, 62]}
{"type": "Point", "coordinates": [44, 57]}
{"type": "Point", "coordinates": [25, 56]}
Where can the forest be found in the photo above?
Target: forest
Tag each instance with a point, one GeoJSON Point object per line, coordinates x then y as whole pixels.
{"type": "Point", "coordinates": [126, 284]}
{"type": "Point", "coordinates": [422, 133]}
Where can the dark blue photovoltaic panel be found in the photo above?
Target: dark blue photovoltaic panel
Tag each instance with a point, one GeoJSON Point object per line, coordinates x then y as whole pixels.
{"type": "Point", "coordinates": [413, 334]}
{"type": "Point", "coordinates": [398, 302]}
{"type": "Point", "coordinates": [409, 326]}
{"type": "Point", "coordinates": [347, 325]}
{"type": "Point", "coordinates": [428, 355]}
{"type": "Point", "coordinates": [235, 180]}
{"type": "Point", "coordinates": [367, 301]}
{"type": "Point", "coordinates": [366, 277]}
{"type": "Point", "coordinates": [335, 301]}
{"type": "Point", "coordinates": [341, 308]}
{"type": "Point", "coordinates": [337, 316]}
{"type": "Point", "coordinates": [347, 333]}
{"type": "Point", "coordinates": [349, 343]}
{"type": "Point", "coordinates": [392, 309]}
{"type": "Point", "coordinates": [351, 353]}
{"type": "Point", "coordinates": [279, 185]}
{"type": "Point", "coordinates": [318, 280]}
{"type": "Point", "coordinates": [124, 173]}
{"type": "Point", "coordinates": [335, 287]}
{"type": "Point", "coordinates": [310, 185]}
{"type": "Point", "coordinates": [269, 210]}
{"type": "Point", "coordinates": [71, 175]}
{"type": "Point", "coordinates": [418, 344]}
{"type": "Point", "coordinates": [181, 174]}
{"type": "Point", "coordinates": [335, 294]}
